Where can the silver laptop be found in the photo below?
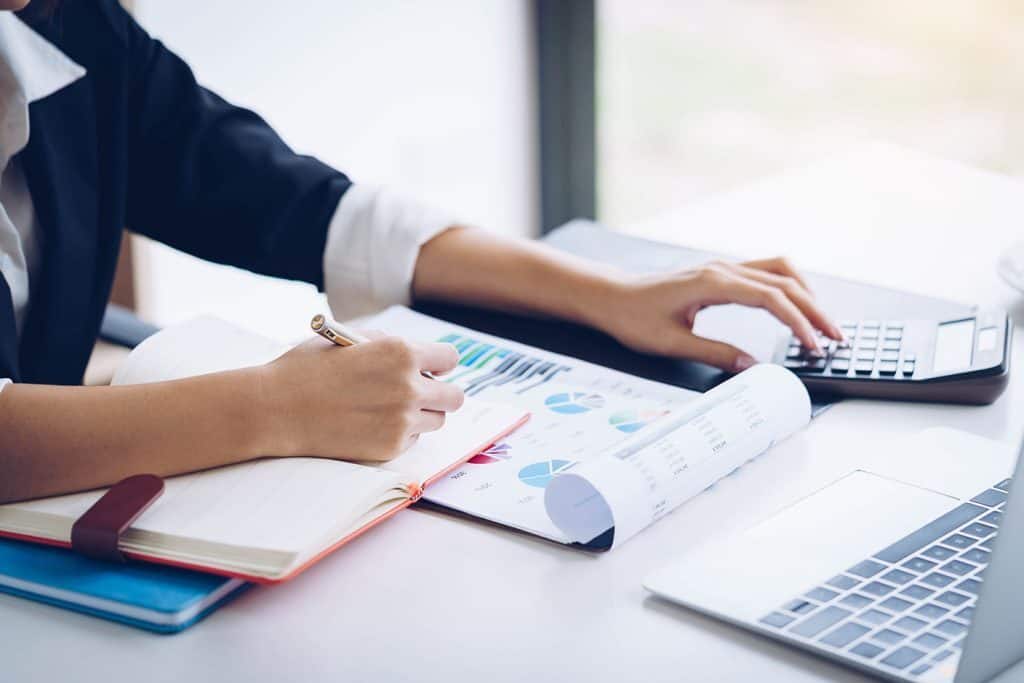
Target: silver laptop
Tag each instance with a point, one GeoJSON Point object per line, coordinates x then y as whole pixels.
{"type": "Point", "coordinates": [895, 570]}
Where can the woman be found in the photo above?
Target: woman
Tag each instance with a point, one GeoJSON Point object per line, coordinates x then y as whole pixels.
{"type": "Point", "coordinates": [101, 127]}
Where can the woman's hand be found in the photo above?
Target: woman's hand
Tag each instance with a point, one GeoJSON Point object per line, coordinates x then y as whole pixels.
{"type": "Point", "coordinates": [656, 313]}
{"type": "Point", "coordinates": [365, 402]}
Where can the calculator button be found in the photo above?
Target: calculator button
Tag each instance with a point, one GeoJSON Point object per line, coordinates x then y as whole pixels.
{"type": "Point", "coordinates": [869, 324]}
{"type": "Point", "coordinates": [908, 369]}
{"type": "Point", "coordinates": [893, 325]}
{"type": "Point", "coordinates": [890, 355]}
{"type": "Point", "coordinates": [865, 354]}
{"type": "Point", "coordinates": [794, 352]}
{"type": "Point", "coordinates": [843, 354]}
{"type": "Point", "coordinates": [863, 367]}
{"type": "Point", "coordinates": [867, 344]}
{"type": "Point", "coordinates": [840, 367]}
{"type": "Point", "coordinates": [910, 357]}
{"type": "Point", "coordinates": [891, 345]}
{"type": "Point", "coordinates": [894, 334]}
{"type": "Point", "coordinates": [887, 368]}
{"type": "Point", "coordinates": [814, 366]}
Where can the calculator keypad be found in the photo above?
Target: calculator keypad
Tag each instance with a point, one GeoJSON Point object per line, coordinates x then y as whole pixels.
{"type": "Point", "coordinates": [872, 349]}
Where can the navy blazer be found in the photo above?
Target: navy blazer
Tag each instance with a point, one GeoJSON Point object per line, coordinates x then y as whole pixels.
{"type": "Point", "coordinates": [137, 143]}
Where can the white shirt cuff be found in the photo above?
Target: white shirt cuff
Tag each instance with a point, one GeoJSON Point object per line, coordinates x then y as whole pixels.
{"type": "Point", "coordinates": [3, 383]}
{"type": "Point", "coordinates": [373, 242]}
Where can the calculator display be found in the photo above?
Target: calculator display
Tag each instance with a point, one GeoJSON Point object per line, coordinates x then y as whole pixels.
{"type": "Point", "coordinates": [953, 345]}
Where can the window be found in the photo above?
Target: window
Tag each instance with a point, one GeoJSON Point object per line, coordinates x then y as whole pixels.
{"type": "Point", "coordinates": [700, 96]}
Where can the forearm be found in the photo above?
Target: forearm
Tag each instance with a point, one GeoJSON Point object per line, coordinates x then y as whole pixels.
{"type": "Point", "coordinates": [475, 267]}
{"type": "Point", "coordinates": [56, 440]}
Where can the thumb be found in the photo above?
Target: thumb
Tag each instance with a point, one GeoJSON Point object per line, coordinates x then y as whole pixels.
{"type": "Point", "coordinates": [721, 355]}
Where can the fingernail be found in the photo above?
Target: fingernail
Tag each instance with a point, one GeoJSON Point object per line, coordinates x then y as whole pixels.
{"type": "Point", "coordinates": [742, 362]}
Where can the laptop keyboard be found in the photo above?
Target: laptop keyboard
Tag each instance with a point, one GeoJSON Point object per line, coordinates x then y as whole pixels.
{"type": "Point", "coordinates": [907, 607]}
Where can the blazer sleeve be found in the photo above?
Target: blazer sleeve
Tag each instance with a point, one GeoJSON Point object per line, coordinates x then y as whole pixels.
{"type": "Point", "coordinates": [213, 179]}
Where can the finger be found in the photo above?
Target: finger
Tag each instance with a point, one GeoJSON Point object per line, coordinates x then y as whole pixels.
{"type": "Point", "coordinates": [716, 353]}
{"type": "Point", "coordinates": [428, 421]}
{"type": "Point", "coordinates": [778, 266]}
{"type": "Point", "coordinates": [441, 396]}
{"type": "Point", "coordinates": [731, 287]}
{"type": "Point", "coordinates": [436, 357]}
{"type": "Point", "coordinates": [797, 294]}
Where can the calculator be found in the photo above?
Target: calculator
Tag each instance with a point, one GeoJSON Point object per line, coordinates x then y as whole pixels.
{"type": "Point", "coordinates": [966, 360]}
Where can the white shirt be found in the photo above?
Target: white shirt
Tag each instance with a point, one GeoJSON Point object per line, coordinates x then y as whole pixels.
{"type": "Point", "coordinates": [373, 239]}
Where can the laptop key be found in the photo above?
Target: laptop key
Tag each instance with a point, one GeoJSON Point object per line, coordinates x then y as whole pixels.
{"type": "Point", "coordinates": [819, 621]}
{"type": "Point", "coordinates": [887, 636]}
{"type": "Point", "coordinates": [845, 634]}
{"type": "Point", "coordinates": [842, 582]}
{"type": "Point", "coordinates": [903, 657]}
{"type": "Point", "coordinates": [821, 594]}
{"type": "Point", "coordinates": [951, 628]}
{"type": "Point", "coordinates": [867, 650]}
{"type": "Point", "coordinates": [957, 567]}
{"type": "Point", "coordinates": [919, 565]}
{"type": "Point", "coordinates": [1004, 485]}
{"type": "Point", "coordinates": [945, 654]}
{"type": "Point", "coordinates": [917, 671]}
{"type": "Point", "coordinates": [991, 498]}
{"type": "Point", "coordinates": [978, 530]}
{"type": "Point", "coordinates": [959, 541]}
{"type": "Point", "coordinates": [897, 576]}
{"type": "Point", "coordinates": [777, 619]}
{"type": "Point", "coordinates": [874, 616]}
{"type": "Point", "coordinates": [953, 598]}
{"type": "Point", "coordinates": [938, 580]}
{"type": "Point", "coordinates": [929, 641]}
{"type": "Point", "coordinates": [995, 517]}
{"type": "Point", "coordinates": [967, 613]}
{"type": "Point", "coordinates": [866, 569]}
{"type": "Point", "coordinates": [969, 586]}
{"type": "Point", "coordinates": [929, 533]}
{"type": "Point", "coordinates": [877, 588]}
{"type": "Point", "coordinates": [931, 611]}
{"type": "Point", "coordinates": [976, 555]}
{"type": "Point", "coordinates": [939, 552]}
{"type": "Point", "coordinates": [856, 600]}
{"type": "Point", "coordinates": [895, 605]}
{"type": "Point", "coordinates": [799, 606]}
{"type": "Point", "coordinates": [917, 592]}
{"type": "Point", "coordinates": [909, 624]}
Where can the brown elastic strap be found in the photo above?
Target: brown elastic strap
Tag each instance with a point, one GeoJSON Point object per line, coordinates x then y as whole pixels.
{"type": "Point", "coordinates": [96, 533]}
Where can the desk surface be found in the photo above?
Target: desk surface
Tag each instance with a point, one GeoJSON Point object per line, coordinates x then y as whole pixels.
{"type": "Point", "coordinates": [431, 597]}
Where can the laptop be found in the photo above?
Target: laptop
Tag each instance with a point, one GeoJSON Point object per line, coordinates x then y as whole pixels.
{"type": "Point", "coordinates": [909, 570]}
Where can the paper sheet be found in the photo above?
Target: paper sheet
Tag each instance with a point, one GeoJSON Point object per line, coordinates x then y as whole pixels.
{"type": "Point", "coordinates": [632, 486]}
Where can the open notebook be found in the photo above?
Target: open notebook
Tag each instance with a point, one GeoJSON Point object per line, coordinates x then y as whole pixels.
{"type": "Point", "coordinates": [268, 519]}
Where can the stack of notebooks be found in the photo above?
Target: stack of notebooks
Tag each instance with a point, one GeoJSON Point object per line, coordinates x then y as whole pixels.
{"type": "Point", "coordinates": [545, 444]}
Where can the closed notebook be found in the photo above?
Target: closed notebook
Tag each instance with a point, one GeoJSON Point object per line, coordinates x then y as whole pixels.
{"type": "Point", "coordinates": [269, 519]}
{"type": "Point", "coordinates": [149, 596]}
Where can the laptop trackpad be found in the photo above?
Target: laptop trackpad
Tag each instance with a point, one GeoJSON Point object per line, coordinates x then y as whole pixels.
{"type": "Point", "coordinates": [807, 543]}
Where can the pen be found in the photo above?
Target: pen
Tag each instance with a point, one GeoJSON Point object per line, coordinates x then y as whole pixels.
{"type": "Point", "coordinates": [343, 336]}
{"type": "Point", "coordinates": [335, 332]}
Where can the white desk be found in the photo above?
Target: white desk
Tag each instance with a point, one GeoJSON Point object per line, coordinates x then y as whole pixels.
{"type": "Point", "coordinates": [430, 597]}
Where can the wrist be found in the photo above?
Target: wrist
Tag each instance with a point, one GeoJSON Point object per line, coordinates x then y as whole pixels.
{"type": "Point", "coordinates": [598, 302]}
{"type": "Point", "coordinates": [266, 418]}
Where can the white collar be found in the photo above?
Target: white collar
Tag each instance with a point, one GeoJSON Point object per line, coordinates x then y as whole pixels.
{"type": "Point", "coordinates": [31, 68]}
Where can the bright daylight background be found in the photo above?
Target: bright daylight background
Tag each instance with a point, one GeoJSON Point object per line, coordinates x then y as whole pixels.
{"type": "Point", "coordinates": [694, 97]}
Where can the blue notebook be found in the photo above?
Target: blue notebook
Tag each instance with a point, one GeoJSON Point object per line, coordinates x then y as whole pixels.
{"type": "Point", "coordinates": [149, 596]}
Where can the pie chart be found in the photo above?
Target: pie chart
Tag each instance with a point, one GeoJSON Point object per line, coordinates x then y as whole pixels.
{"type": "Point", "coordinates": [630, 421]}
{"type": "Point", "coordinates": [494, 453]}
{"type": "Point", "coordinates": [574, 402]}
{"type": "Point", "coordinates": [540, 474]}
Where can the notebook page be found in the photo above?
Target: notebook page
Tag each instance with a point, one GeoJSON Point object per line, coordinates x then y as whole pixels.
{"type": "Point", "coordinates": [286, 505]}
{"type": "Point", "coordinates": [196, 347]}
{"type": "Point", "coordinates": [632, 486]}
{"type": "Point", "coordinates": [466, 432]}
